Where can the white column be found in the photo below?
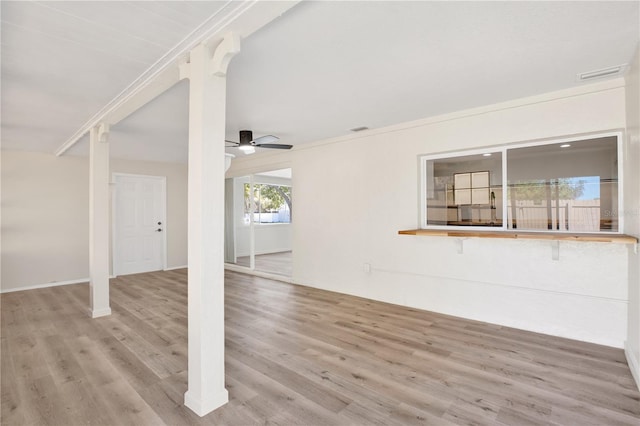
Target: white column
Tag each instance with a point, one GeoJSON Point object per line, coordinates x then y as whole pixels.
{"type": "Point", "coordinates": [207, 107]}
{"type": "Point", "coordinates": [99, 221]}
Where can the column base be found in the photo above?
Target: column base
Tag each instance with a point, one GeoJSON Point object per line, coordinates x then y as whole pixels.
{"type": "Point", "coordinates": [204, 407]}
{"type": "Point", "coordinates": [632, 360]}
{"type": "Point", "coordinates": [96, 313]}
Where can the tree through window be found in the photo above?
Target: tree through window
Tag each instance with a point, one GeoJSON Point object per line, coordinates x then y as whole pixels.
{"type": "Point", "coordinates": [268, 203]}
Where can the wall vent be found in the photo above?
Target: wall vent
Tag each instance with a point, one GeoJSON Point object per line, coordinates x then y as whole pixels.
{"type": "Point", "coordinates": [601, 73]}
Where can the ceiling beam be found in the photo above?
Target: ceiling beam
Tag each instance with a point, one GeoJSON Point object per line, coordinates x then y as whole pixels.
{"type": "Point", "coordinates": [242, 18]}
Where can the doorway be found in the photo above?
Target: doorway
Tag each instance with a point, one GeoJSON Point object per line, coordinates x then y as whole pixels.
{"type": "Point", "coordinates": [139, 224]}
{"type": "Point", "coordinates": [259, 211]}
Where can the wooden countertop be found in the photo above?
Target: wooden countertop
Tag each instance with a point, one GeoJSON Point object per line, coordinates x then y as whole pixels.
{"type": "Point", "coordinates": [523, 235]}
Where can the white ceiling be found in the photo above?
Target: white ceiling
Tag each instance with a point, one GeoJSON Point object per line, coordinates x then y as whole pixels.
{"type": "Point", "coordinates": [63, 61]}
{"type": "Point", "coordinates": [316, 72]}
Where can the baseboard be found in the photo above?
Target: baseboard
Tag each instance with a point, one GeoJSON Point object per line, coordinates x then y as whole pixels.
{"type": "Point", "coordinates": [260, 253]}
{"type": "Point", "coordinates": [249, 271]}
{"type": "Point", "coordinates": [51, 284]}
{"type": "Point", "coordinates": [97, 313]}
{"type": "Point", "coordinates": [202, 408]}
{"type": "Point", "coordinates": [274, 251]}
{"type": "Point", "coordinates": [634, 364]}
{"type": "Point", "coordinates": [172, 268]}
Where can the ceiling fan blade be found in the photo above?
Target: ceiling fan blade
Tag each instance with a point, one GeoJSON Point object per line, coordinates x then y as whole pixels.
{"type": "Point", "coordinates": [264, 139]}
{"type": "Point", "coordinates": [275, 146]}
{"type": "Point", "coordinates": [235, 143]}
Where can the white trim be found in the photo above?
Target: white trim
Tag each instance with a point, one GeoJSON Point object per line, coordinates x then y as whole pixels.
{"type": "Point", "coordinates": [173, 268]}
{"type": "Point", "coordinates": [577, 137]}
{"type": "Point", "coordinates": [503, 149]}
{"type": "Point", "coordinates": [165, 224]}
{"type": "Point", "coordinates": [204, 407]}
{"type": "Point", "coordinates": [252, 228]}
{"type": "Point", "coordinates": [634, 364]}
{"type": "Point", "coordinates": [422, 188]}
{"type": "Point", "coordinates": [620, 190]}
{"type": "Point", "coordinates": [99, 312]}
{"type": "Point", "coordinates": [505, 194]}
{"type": "Point", "coordinates": [46, 285]}
{"type": "Point", "coordinates": [251, 169]}
{"type": "Point", "coordinates": [135, 175]}
{"type": "Point", "coordinates": [274, 251]}
{"type": "Point", "coordinates": [583, 90]}
{"type": "Point", "coordinates": [163, 209]}
{"type": "Point", "coordinates": [248, 271]}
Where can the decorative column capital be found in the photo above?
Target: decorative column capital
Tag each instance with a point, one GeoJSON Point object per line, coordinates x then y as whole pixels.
{"type": "Point", "coordinates": [101, 132]}
{"type": "Point", "coordinates": [226, 50]}
{"type": "Point", "coordinates": [219, 61]}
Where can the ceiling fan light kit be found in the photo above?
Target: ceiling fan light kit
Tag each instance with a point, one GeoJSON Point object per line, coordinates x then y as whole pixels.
{"type": "Point", "coordinates": [247, 149]}
{"type": "Point", "coordinates": [246, 136]}
{"type": "Point", "coordinates": [247, 144]}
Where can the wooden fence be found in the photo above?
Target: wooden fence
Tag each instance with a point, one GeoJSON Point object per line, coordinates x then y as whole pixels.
{"type": "Point", "coordinates": [571, 215]}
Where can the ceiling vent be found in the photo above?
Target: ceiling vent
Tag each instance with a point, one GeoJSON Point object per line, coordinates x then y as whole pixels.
{"type": "Point", "coordinates": [359, 129]}
{"type": "Point", "coordinates": [618, 70]}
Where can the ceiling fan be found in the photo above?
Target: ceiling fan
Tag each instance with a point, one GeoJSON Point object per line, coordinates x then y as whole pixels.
{"type": "Point", "coordinates": [247, 144]}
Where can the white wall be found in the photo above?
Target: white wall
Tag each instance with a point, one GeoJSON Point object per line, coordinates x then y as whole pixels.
{"type": "Point", "coordinates": [45, 216]}
{"type": "Point", "coordinates": [269, 238]}
{"type": "Point", "coordinates": [372, 178]}
{"type": "Point", "coordinates": [632, 212]}
{"type": "Point", "coordinates": [45, 219]}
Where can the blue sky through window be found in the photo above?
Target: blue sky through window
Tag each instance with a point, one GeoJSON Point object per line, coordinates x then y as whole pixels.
{"type": "Point", "coordinates": [591, 187]}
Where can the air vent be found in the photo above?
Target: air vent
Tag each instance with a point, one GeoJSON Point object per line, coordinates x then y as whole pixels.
{"type": "Point", "coordinates": [359, 129]}
{"type": "Point", "coordinates": [601, 73]}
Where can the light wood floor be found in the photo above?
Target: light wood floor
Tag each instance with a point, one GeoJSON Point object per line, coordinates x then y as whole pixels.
{"type": "Point", "coordinates": [294, 355]}
{"type": "Point", "coordinates": [275, 263]}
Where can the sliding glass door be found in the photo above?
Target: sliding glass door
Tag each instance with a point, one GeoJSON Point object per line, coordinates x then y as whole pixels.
{"type": "Point", "coordinates": [258, 221]}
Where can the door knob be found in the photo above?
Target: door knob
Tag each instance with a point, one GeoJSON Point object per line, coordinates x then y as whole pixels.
{"type": "Point", "coordinates": [159, 223]}
{"type": "Point", "coordinates": [159, 230]}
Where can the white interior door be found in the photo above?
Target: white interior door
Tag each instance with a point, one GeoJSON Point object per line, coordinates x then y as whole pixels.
{"type": "Point", "coordinates": [139, 226]}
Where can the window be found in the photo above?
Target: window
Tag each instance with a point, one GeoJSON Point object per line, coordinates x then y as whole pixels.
{"type": "Point", "coordinates": [269, 203]}
{"type": "Point", "coordinates": [462, 190]}
{"type": "Point", "coordinates": [567, 185]}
